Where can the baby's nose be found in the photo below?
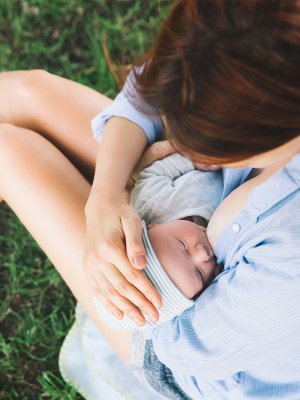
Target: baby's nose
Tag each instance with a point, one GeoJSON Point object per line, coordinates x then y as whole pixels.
{"type": "Point", "coordinates": [201, 253]}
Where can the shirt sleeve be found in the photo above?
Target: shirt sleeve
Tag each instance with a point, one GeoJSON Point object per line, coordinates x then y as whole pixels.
{"type": "Point", "coordinates": [242, 321]}
{"type": "Point", "coordinates": [123, 106]}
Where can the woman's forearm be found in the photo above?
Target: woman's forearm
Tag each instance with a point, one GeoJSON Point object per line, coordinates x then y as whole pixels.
{"type": "Point", "coordinates": [114, 253]}
{"type": "Point", "coordinates": [122, 145]}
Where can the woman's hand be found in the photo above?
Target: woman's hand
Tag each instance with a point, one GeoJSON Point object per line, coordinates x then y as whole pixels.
{"type": "Point", "coordinates": [113, 258]}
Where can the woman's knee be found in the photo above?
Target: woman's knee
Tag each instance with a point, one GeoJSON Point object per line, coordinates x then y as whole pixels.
{"type": "Point", "coordinates": [23, 76]}
{"type": "Point", "coordinates": [23, 83]}
{"type": "Point", "coordinates": [20, 93]}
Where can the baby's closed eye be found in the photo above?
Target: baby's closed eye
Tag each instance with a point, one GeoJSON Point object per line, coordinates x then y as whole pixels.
{"type": "Point", "coordinates": [183, 245]}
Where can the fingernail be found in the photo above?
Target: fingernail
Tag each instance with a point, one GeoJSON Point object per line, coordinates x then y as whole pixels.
{"type": "Point", "coordinates": [157, 304]}
{"type": "Point", "coordinates": [139, 260]}
{"type": "Point", "coordinates": [138, 320]}
{"type": "Point", "coordinates": [152, 316]}
{"type": "Point", "coordinates": [117, 315]}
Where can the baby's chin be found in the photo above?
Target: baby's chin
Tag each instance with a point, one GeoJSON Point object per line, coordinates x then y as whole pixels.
{"type": "Point", "coordinates": [195, 294]}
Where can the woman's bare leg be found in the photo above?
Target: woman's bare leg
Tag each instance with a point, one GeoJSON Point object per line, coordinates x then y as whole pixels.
{"type": "Point", "coordinates": [57, 108]}
{"type": "Point", "coordinates": [48, 194]}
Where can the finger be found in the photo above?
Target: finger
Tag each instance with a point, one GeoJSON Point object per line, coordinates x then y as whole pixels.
{"type": "Point", "coordinates": [137, 279]}
{"type": "Point", "coordinates": [137, 301]}
{"type": "Point", "coordinates": [109, 305]}
{"type": "Point", "coordinates": [117, 259]}
{"type": "Point", "coordinates": [101, 288]}
{"type": "Point", "coordinates": [129, 309]}
{"type": "Point", "coordinates": [132, 228]}
{"type": "Point", "coordinates": [118, 304]}
{"type": "Point", "coordinates": [110, 281]}
{"type": "Point", "coordinates": [97, 291]}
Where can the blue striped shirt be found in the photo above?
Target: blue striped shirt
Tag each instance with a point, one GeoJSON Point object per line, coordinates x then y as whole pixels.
{"type": "Point", "coordinates": [240, 339]}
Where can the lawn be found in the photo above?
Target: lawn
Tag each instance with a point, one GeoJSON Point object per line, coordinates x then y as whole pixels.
{"type": "Point", "coordinates": [87, 41]}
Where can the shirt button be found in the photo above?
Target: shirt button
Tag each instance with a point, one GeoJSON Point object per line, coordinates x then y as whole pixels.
{"type": "Point", "coordinates": [236, 228]}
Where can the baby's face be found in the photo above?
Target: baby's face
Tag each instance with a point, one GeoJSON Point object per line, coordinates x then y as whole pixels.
{"type": "Point", "coordinates": [185, 254]}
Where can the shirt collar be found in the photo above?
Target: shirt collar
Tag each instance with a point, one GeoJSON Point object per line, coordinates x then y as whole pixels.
{"type": "Point", "coordinates": [280, 185]}
{"type": "Point", "coordinates": [232, 178]}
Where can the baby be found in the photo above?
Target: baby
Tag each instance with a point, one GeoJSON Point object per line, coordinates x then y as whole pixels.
{"type": "Point", "coordinates": [175, 202]}
{"type": "Point", "coordinates": [185, 254]}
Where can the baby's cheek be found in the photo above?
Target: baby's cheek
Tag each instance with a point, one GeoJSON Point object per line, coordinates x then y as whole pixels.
{"type": "Point", "coordinates": [186, 279]}
{"type": "Point", "coordinates": [191, 287]}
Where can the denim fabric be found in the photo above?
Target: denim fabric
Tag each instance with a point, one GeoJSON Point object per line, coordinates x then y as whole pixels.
{"type": "Point", "coordinates": [160, 377]}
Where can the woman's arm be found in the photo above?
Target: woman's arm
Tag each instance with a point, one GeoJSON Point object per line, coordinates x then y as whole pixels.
{"type": "Point", "coordinates": [113, 251]}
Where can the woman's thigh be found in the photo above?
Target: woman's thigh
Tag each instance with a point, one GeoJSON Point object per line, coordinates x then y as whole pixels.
{"type": "Point", "coordinates": [57, 108]}
{"type": "Point", "coordinates": [48, 194]}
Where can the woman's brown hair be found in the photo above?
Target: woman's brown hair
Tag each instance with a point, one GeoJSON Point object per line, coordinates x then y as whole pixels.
{"type": "Point", "coordinates": [225, 74]}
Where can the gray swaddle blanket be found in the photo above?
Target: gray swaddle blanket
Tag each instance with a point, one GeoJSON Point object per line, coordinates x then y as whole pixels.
{"type": "Point", "coordinates": [172, 188]}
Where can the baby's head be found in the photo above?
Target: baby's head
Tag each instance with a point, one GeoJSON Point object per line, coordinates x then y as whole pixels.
{"type": "Point", "coordinates": [185, 254]}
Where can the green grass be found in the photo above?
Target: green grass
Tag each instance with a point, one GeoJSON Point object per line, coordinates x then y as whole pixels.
{"type": "Point", "coordinates": [65, 38]}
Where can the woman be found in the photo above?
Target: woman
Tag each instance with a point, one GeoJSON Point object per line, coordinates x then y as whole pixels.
{"type": "Point", "coordinates": [225, 77]}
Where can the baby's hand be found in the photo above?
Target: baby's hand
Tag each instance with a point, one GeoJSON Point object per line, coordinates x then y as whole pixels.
{"type": "Point", "coordinates": [205, 167]}
{"type": "Point", "coordinates": [155, 151]}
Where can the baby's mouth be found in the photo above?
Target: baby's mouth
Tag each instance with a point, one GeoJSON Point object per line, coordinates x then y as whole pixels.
{"type": "Point", "coordinates": [217, 270]}
{"type": "Point", "coordinates": [207, 279]}
{"type": "Point", "coordinates": [202, 278]}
